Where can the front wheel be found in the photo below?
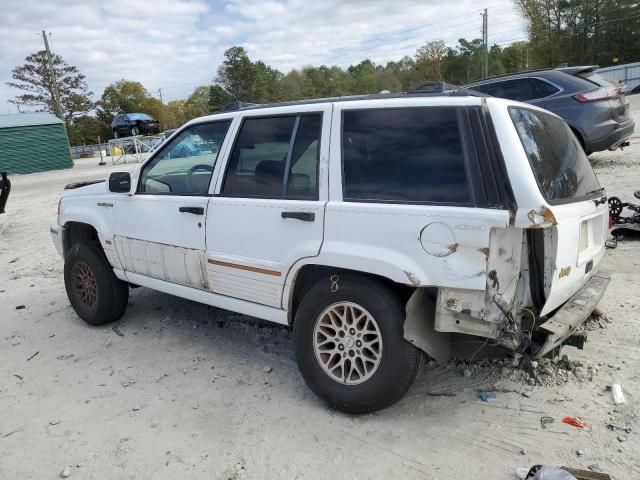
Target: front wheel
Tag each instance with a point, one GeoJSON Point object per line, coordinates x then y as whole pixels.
{"type": "Point", "coordinates": [135, 131]}
{"type": "Point", "coordinates": [349, 344]}
{"type": "Point", "coordinates": [95, 293]}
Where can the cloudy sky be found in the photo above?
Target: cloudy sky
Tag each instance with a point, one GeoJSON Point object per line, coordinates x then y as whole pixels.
{"type": "Point", "coordinates": [178, 44]}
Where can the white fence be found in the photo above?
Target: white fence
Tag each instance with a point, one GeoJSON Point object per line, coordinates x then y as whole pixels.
{"type": "Point", "coordinates": [628, 74]}
{"type": "Point", "coordinates": [127, 148]}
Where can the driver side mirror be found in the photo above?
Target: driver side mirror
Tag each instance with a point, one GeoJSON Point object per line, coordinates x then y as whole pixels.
{"type": "Point", "coordinates": [120, 182]}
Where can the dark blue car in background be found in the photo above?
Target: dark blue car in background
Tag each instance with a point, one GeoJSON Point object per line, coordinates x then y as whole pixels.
{"type": "Point", "coordinates": [594, 106]}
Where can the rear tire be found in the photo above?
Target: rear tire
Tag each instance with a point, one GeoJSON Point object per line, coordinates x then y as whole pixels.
{"type": "Point", "coordinates": [95, 293]}
{"type": "Point", "coordinates": [349, 344]}
{"type": "Point", "coordinates": [115, 134]}
{"type": "Point", "coordinates": [135, 131]}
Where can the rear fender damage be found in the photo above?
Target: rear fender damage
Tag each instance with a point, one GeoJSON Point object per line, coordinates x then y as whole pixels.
{"type": "Point", "coordinates": [491, 314]}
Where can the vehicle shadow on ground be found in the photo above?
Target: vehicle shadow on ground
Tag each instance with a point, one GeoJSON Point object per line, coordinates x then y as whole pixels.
{"type": "Point", "coordinates": [245, 340]}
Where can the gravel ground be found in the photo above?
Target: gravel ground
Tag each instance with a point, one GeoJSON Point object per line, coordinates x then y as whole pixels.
{"type": "Point", "coordinates": [179, 390]}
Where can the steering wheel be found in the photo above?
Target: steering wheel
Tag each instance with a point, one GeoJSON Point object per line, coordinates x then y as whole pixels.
{"type": "Point", "coordinates": [192, 171]}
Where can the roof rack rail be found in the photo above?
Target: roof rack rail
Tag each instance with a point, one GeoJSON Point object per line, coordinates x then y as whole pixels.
{"type": "Point", "coordinates": [433, 87]}
{"type": "Point", "coordinates": [237, 105]}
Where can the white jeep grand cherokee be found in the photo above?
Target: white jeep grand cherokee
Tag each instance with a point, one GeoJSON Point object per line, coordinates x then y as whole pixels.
{"type": "Point", "coordinates": [378, 227]}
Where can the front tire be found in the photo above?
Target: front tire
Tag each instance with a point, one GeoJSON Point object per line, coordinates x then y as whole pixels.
{"type": "Point", "coordinates": [95, 293]}
{"type": "Point", "coordinates": [135, 131]}
{"type": "Point", "coordinates": [349, 344]}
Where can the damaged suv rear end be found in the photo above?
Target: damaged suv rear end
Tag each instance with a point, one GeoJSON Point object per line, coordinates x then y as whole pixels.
{"type": "Point", "coordinates": [542, 279]}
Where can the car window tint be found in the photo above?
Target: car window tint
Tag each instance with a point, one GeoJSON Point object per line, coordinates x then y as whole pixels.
{"type": "Point", "coordinates": [479, 88]}
{"type": "Point", "coordinates": [542, 88]}
{"type": "Point", "coordinates": [185, 164]}
{"type": "Point", "coordinates": [257, 162]}
{"type": "Point", "coordinates": [404, 154]}
{"type": "Point", "coordinates": [520, 89]}
{"type": "Point", "coordinates": [303, 173]}
{"type": "Point", "coordinates": [557, 159]}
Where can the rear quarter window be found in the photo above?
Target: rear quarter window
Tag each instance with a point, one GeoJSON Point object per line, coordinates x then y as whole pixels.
{"type": "Point", "coordinates": [561, 168]}
{"type": "Point", "coordinates": [404, 155]}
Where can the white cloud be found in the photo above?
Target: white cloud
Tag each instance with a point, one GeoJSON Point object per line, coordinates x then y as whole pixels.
{"type": "Point", "coordinates": [178, 44]}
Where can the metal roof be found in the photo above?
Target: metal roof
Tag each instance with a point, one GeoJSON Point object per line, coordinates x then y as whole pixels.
{"type": "Point", "coordinates": [28, 119]}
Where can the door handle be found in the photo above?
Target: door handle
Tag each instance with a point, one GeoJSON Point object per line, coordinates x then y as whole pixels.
{"type": "Point", "coordinates": [304, 216]}
{"type": "Point", "coordinates": [194, 210]}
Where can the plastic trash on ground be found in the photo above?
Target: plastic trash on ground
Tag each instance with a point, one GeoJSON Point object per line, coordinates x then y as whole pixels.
{"type": "Point", "coordinates": [486, 396]}
{"type": "Point", "coordinates": [543, 472]}
{"type": "Point", "coordinates": [618, 396]}
{"type": "Point", "coordinates": [576, 422]}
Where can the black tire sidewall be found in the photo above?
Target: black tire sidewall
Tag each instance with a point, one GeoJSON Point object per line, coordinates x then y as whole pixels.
{"type": "Point", "coordinates": [106, 283]}
{"type": "Point", "coordinates": [400, 361]}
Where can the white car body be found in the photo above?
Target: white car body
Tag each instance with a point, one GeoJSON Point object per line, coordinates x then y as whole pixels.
{"type": "Point", "coordinates": [242, 255]}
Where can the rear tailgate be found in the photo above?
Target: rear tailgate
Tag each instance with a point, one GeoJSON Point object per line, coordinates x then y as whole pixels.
{"type": "Point", "coordinates": [575, 209]}
{"type": "Point", "coordinates": [574, 248]}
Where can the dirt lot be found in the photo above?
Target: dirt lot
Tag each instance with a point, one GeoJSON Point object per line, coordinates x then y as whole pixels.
{"type": "Point", "coordinates": [183, 391]}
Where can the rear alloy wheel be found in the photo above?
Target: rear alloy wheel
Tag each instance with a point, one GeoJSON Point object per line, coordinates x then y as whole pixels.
{"type": "Point", "coordinates": [95, 293]}
{"type": "Point", "coordinates": [347, 343]}
{"type": "Point", "coordinates": [115, 134]}
{"type": "Point", "coordinates": [350, 349]}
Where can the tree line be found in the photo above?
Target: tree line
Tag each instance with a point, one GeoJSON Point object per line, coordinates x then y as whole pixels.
{"type": "Point", "coordinates": [603, 32]}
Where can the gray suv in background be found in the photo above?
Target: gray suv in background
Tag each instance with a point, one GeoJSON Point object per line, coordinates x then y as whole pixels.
{"type": "Point", "coordinates": [593, 105]}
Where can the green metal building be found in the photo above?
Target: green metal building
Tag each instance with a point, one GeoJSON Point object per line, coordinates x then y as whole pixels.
{"type": "Point", "coordinates": [33, 142]}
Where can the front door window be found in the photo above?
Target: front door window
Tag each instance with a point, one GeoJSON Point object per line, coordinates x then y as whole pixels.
{"type": "Point", "coordinates": [185, 165]}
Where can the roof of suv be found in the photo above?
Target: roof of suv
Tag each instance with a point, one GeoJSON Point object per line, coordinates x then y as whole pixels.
{"type": "Point", "coordinates": [427, 89]}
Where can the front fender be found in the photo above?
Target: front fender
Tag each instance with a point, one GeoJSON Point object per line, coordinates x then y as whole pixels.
{"type": "Point", "coordinates": [94, 211]}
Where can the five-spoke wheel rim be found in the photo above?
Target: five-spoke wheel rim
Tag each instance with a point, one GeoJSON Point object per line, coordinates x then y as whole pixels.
{"type": "Point", "coordinates": [84, 284]}
{"type": "Point", "coordinates": [347, 343]}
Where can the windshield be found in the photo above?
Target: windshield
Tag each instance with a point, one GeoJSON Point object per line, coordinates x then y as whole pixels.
{"type": "Point", "coordinates": [139, 116]}
{"type": "Point", "coordinates": [559, 164]}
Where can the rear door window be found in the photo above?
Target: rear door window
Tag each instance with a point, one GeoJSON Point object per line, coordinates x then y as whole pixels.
{"type": "Point", "coordinates": [557, 159]}
{"type": "Point", "coordinates": [404, 155]}
{"type": "Point", "coordinates": [480, 88]}
{"type": "Point", "coordinates": [275, 157]}
{"type": "Point", "coordinates": [543, 89]}
{"type": "Point", "coordinates": [520, 89]}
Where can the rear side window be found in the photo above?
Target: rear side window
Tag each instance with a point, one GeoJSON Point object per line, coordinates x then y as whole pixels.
{"type": "Point", "coordinates": [543, 89]}
{"type": "Point", "coordinates": [480, 88]}
{"type": "Point", "coordinates": [275, 157]}
{"type": "Point", "coordinates": [520, 90]}
{"type": "Point", "coordinates": [404, 155]}
{"type": "Point", "coordinates": [558, 162]}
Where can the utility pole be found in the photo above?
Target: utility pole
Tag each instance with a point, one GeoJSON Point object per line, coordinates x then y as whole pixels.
{"type": "Point", "coordinates": [164, 118]}
{"type": "Point", "coordinates": [485, 44]}
{"type": "Point", "coordinates": [52, 74]}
